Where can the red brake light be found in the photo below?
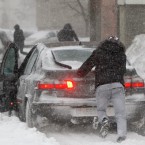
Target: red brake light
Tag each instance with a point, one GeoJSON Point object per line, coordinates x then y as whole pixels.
{"type": "Point", "coordinates": [45, 86]}
{"type": "Point", "coordinates": [137, 84]}
{"type": "Point", "coordinates": [61, 85]}
{"type": "Point", "coordinates": [134, 84]}
{"type": "Point", "coordinates": [127, 84]}
{"type": "Point", "coordinates": [70, 84]}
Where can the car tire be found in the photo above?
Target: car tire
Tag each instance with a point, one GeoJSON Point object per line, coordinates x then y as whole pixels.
{"type": "Point", "coordinates": [142, 128]}
{"type": "Point", "coordinates": [22, 112]}
{"type": "Point", "coordinates": [30, 116]}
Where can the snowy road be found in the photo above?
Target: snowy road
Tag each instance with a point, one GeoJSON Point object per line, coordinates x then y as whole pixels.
{"type": "Point", "coordinates": [14, 132]}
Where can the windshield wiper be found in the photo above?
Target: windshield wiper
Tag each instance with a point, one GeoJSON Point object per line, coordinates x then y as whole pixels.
{"type": "Point", "coordinates": [60, 64]}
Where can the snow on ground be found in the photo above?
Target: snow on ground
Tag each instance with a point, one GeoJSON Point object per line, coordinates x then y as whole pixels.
{"type": "Point", "coordinates": [14, 132]}
{"type": "Point", "coordinates": [93, 139]}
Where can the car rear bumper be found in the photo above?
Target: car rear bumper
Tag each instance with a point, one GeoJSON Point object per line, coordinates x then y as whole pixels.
{"type": "Point", "coordinates": [69, 108]}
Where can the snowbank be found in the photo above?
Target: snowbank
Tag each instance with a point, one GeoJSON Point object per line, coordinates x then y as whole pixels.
{"type": "Point", "coordinates": [136, 54]}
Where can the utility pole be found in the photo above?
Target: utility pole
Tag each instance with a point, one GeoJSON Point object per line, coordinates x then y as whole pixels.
{"type": "Point", "coordinates": [95, 19]}
{"type": "Point", "coordinates": [103, 19]}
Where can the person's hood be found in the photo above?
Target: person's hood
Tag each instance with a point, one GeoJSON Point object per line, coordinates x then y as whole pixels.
{"type": "Point", "coordinates": [112, 46]}
{"type": "Point", "coordinates": [67, 27]}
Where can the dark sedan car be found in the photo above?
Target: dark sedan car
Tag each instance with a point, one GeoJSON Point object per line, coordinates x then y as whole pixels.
{"type": "Point", "coordinates": [46, 85]}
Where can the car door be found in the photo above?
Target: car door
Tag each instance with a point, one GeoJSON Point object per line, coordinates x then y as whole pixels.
{"type": "Point", "coordinates": [23, 80]}
{"type": "Point", "coordinates": [8, 78]}
{"type": "Point", "coordinates": [9, 69]}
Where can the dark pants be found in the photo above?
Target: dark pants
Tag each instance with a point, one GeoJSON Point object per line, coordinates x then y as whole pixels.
{"type": "Point", "coordinates": [20, 46]}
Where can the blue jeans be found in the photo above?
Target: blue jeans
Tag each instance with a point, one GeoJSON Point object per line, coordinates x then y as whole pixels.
{"type": "Point", "coordinates": [115, 93]}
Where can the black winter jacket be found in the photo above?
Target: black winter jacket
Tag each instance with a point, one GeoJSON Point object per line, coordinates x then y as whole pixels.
{"type": "Point", "coordinates": [67, 34]}
{"type": "Point", "coordinates": [19, 36]}
{"type": "Point", "coordinates": [109, 60]}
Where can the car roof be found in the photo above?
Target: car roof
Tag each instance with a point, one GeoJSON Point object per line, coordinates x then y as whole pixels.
{"type": "Point", "coordinates": [40, 34]}
{"type": "Point", "coordinates": [45, 52]}
{"type": "Point", "coordinates": [68, 43]}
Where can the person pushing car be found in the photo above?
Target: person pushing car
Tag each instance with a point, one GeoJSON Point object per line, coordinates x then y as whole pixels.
{"type": "Point", "coordinates": [109, 60]}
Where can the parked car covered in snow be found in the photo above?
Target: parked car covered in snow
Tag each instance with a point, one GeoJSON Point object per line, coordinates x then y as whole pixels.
{"type": "Point", "coordinates": [44, 36]}
{"type": "Point", "coordinates": [46, 85]}
{"type": "Point", "coordinates": [9, 33]}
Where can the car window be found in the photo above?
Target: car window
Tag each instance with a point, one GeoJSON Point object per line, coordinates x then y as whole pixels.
{"type": "Point", "coordinates": [51, 34]}
{"type": "Point", "coordinates": [72, 55]}
{"type": "Point", "coordinates": [10, 62]}
{"type": "Point", "coordinates": [31, 62]}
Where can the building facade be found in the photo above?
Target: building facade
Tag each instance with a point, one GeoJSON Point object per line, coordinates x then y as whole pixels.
{"type": "Point", "coordinates": [124, 18]}
{"type": "Point", "coordinates": [131, 19]}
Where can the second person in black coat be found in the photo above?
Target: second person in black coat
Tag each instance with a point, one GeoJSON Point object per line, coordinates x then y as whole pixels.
{"type": "Point", "coordinates": [67, 34]}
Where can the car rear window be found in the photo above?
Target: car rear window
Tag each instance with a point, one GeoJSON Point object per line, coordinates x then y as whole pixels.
{"type": "Point", "coordinates": [72, 55]}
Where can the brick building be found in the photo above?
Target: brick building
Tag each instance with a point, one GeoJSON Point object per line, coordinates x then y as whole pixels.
{"type": "Point", "coordinates": [124, 18]}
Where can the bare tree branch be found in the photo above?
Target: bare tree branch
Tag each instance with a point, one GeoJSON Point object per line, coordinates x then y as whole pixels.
{"type": "Point", "coordinates": [73, 8]}
{"type": "Point", "coordinates": [78, 7]}
{"type": "Point", "coordinates": [82, 9]}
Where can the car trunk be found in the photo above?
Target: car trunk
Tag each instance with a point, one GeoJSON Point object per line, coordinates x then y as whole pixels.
{"type": "Point", "coordinates": [81, 87]}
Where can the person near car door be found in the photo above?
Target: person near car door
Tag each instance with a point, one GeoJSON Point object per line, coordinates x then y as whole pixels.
{"type": "Point", "coordinates": [67, 34]}
{"type": "Point", "coordinates": [109, 60]}
{"type": "Point", "coordinates": [19, 38]}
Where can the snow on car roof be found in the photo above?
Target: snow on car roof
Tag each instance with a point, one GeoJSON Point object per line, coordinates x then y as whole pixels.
{"type": "Point", "coordinates": [70, 47]}
{"type": "Point", "coordinates": [40, 34]}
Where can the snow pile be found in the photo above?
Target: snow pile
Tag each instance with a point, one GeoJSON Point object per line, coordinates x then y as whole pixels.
{"type": "Point", "coordinates": [136, 54]}
{"type": "Point", "coordinates": [14, 132]}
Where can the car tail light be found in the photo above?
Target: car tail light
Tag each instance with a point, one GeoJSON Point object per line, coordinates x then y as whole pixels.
{"type": "Point", "coordinates": [68, 84]}
{"type": "Point", "coordinates": [127, 84]}
{"type": "Point", "coordinates": [11, 103]}
{"type": "Point", "coordinates": [137, 84]}
{"type": "Point", "coordinates": [133, 82]}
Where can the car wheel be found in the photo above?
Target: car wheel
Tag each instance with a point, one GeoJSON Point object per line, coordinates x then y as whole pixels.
{"type": "Point", "coordinates": [30, 116]}
{"type": "Point", "coordinates": [142, 127]}
{"type": "Point", "coordinates": [142, 131]}
{"type": "Point", "coordinates": [22, 112]}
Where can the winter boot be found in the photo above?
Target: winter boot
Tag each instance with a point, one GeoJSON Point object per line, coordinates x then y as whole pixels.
{"type": "Point", "coordinates": [120, 139]}
{"type": "Point", "coordinates": [104, 128]}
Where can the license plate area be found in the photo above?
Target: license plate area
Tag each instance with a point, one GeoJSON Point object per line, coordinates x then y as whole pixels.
{"type": "Point", "coordinates": [85, 88]}
{"type": "Point", "coordinates": [89, 112]}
